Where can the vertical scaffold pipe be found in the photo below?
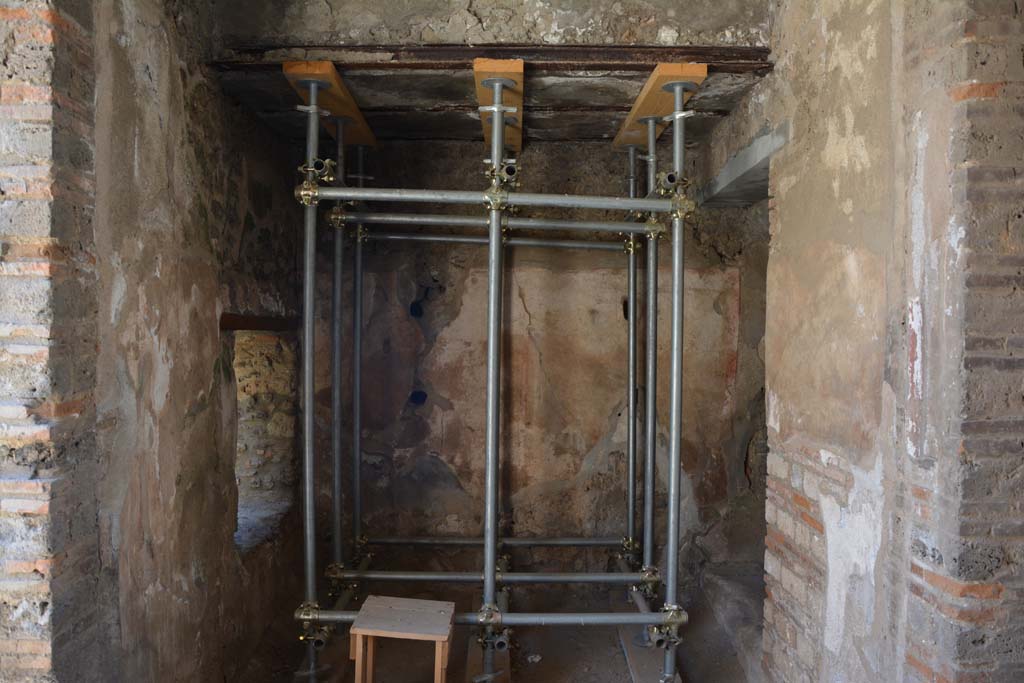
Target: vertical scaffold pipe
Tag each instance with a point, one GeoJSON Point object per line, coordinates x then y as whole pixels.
{"type": "Point", "coordinates": [652, 152]}
{"type": "Point", "coordinates": [357, 372]}
{"type": "Point", "coordinates": [650, 397]}
{"type": "Point", "coordinates": [631, 370]}
{"type": "Point", "coordinates": [651, 382]}
{"type": "Point", "coordinates": [675, 381]}
{"type": "Point", "coordinates": [337, 539]}
{"type": "Point", "coordinates": [494, 291]}
{"type": "Point", "coordinates": [308, 282]}
{"type": "Point", "coordinates": [357, 390]}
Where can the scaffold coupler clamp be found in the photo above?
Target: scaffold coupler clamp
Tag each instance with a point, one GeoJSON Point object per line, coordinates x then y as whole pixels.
{"type": "Point", "coordinates": [489, 616]}
{"type": "Point", "coordinates": [629, 246]}
{"type": "Point", "coordinates": [496, 196]}
{"type": "Point", "coordinates": [313, 633]}
{"type": "Point", "coordinates": [650, 579]}
{"type": "Point", "coordinates": [321, 169]}
{"type": "Point", "coordinates": [507, 172]}
{"type": "Point", "coordinates": [308, 193]}
{"type": "Point", "coordinates": [362, 543]}
{"type": "Point", "coordinates": [655, 228]}
{"type": "Point", "coordinates": [496, 639]}
{"type": "Point", "coordinates": [682, 206]}
{"type": "Point", "coordinates": [334, 571]}
{"type": "Point", "coordinates": [336, 583]}
{"type": "Point", "coordinates": [666, 634]}
{"type": "Point", "coordinates": [336, 217]}
{"type": "Point", "coordinates": [685, 114]}
{"type": "Point", "coordinates": [494, 108]}
{"type": "Point", "coordinates": [630, 550]}
{"type": "Point", "coordinates": [669, 183]}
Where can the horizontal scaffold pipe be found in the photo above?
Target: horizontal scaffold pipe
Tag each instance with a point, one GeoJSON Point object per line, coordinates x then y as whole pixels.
{"type": "Point", "coordinates": [513, 222]}
{"type": "Point", "coordinates": [506, 542]}
{"type": "Point", "coordinates": [530, 618]}
{"type": "Point", "coordinates": [503, 577]}
{"type": "Point", "coordinates": [382, 236]}
{"type": "Point", "coordinates": [565, 201]}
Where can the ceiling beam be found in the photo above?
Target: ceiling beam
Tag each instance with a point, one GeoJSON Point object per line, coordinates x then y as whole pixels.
{"type": "Point", "coordinates": [460, 57]}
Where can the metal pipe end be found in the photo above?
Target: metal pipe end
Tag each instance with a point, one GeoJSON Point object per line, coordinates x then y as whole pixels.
{"type": "Point", "coordinates": [502, 640]}
{"type": "Point", "coordinates": [317, 637]}
{"type": "Point", "coordinates": [656, 637]}
{"type": "Point", "coordinates": [503, 82]}
{"type": "Point", "coordinates": [687, 86]}
{"type": "Point", "coordinates": [320, 84]}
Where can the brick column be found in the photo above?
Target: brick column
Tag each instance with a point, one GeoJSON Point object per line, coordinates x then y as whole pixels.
{"type": "Point", "coordinates": [966, 614]}
{"type": "Point", "coordinates": [47, 336]}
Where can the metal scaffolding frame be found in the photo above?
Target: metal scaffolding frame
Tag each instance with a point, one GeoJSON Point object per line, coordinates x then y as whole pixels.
{"type": "Point", "coordinates": [636, 564]}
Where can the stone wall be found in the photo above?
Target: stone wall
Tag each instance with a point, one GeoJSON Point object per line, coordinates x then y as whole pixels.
{"type": "Point", "coordinates": [889, 340]}
{"type": "Point", "coordinates": [266, 371]}
{"type": "Point", "coordinates": [476, 22]}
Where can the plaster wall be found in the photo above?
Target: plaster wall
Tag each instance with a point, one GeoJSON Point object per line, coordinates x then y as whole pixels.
{"type": "Point", "coordinates": [192, 220]}
{"type": "Point", "coordinates": [869, 395]}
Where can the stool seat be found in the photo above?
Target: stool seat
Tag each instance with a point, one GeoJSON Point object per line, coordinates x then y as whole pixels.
{"type": "Point", "coordinates": [405, 619]}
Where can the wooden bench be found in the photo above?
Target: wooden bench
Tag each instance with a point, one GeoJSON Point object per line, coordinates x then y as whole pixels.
{"type": "Point", "coordinates": [402, 618]}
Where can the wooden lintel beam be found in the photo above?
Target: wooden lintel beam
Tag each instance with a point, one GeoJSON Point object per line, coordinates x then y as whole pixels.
{"type": "Point", "coordinates": [263, 323]}
{"type": "Point", "coordinates": [538, 58]}
{"type": "Point", "coordinates": [653, 100]}
{"type": "Point", "coordinates": [335, 98]}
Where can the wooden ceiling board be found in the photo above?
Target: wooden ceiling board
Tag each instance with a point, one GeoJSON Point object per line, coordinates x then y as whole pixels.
{"type": "Point", "coordinates": [511, 69]}
{"type": "Point", "coordinates": [653, 100]}
{"type": "Point", "coordinates": [335, 98]}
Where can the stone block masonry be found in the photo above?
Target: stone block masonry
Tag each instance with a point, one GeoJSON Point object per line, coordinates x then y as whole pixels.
{"type": "Point", "coordinates": [47, 343]}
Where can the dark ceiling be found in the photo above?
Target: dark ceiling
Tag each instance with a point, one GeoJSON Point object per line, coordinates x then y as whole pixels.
{"type": "Point", "coordinates": [427, 93]}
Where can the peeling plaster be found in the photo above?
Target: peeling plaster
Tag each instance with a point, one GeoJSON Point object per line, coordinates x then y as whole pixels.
{"type": "Point", "coordinates": [854, 535]}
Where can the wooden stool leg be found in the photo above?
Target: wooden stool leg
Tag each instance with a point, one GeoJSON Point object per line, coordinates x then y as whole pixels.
{"type": "Point", "coordinates": [351, 645]}
{"type": "Point", "coordinates": [439, 661]}
{"type": "Point", "coordinates": [371, 651]}
{"type": "Point", "coordinates": [360, 659]}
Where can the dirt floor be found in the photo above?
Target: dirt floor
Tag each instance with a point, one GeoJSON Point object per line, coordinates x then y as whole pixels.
{"type": "Point", "coordinates": [539, 654]}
